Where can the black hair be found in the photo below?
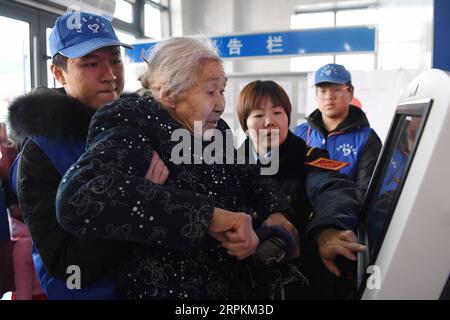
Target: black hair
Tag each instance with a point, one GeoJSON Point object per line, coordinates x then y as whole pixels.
{"type": "Point", "coordinates": [60, 61]}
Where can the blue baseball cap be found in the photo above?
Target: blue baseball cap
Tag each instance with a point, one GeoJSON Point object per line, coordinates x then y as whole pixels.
{"type": "Point", "coordinates": [333, 73]}
{"type": "Point", "coordinates": [76, 34]}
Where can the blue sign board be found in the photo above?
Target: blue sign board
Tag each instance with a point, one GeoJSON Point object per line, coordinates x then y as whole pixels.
{"type": "Point", "coordinates": [289, 43]}
{"type": "Point", "coordinates": [441, 43]}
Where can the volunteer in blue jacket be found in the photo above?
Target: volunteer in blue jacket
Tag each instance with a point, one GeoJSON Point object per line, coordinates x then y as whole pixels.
{"type": "Point", "coordinates": [340, 127]}
{"type": "Point", "coordinates": [51, 126]}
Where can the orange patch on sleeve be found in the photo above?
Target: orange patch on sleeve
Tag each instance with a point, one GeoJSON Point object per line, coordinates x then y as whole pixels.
{"type": "Point", "coordinates": [327, 164]}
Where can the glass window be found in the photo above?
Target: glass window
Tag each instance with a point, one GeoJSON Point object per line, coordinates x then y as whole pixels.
{"type": "Point", "coordinates": [305, 21]}
{"type": "Point", "coordinates": [402, 24]}
{"type": "Point", "coordinates": [124, 11]}
{"type": "Point", "coordinates": [125, 37]}
{"type": "Point", "coordinates": [51, 81]}
{"type": "Point", "coordinates": [15, 75]}
{"type": "Point", "coordinates": [399, 55]}
{"type": "Point", "coordinates": [312, 20]}
{"type": "Point", "coordinates": [358, 17]}
{"type": "Point", "coordinates": [363, 62]}
{"type": "Point", "coordinates": [404, 35]}
{"type": "Point", "coordinates": [152, 21]}
{"type": "Point", "coordinates": [309, 63]}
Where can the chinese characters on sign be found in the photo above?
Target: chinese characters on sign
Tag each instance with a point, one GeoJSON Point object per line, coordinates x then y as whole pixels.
{"type": "Point", "coordinates": [288, 43]}
{"type": "Point", "coordinates": [275, 44]}
{"type": "Point", "coordinates": [235, 46]}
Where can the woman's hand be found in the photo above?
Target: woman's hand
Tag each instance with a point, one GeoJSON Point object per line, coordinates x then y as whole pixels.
{"type": "Point", "coordinates": [234, 230]}
{"type": "Point", "coordinates": [157, 172]}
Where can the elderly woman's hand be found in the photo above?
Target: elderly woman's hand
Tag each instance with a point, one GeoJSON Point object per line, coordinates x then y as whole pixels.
{"type": "Point", "coordinates": [279, 219]}
{"type": "Point", "coordinates": [234, 230]}
{"type": "Point", "coordinates": [332, 242]}
{"type": "Point", "coordinates": [157, 172]}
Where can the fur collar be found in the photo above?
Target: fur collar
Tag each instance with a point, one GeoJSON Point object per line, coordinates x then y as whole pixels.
{"type": "Point", "coordinates": [49, 113]}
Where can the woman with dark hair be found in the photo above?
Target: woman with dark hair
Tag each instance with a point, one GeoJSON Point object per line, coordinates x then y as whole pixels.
{"type": "Point", "coordinates": [324, 200]}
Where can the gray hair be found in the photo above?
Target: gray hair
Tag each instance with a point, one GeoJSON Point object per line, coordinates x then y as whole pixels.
{"type": "Point", "coordinates": [173, 65]}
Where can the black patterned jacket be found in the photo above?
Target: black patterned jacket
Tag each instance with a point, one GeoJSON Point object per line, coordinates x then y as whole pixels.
{"type": "Point", "coordinates": [104, 195]}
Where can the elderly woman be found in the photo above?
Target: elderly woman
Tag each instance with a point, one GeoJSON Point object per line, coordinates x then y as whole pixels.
{"type": "Point", "coordinates": [324, 200]}
{"type": "Point", "coordinates": [189, 233]}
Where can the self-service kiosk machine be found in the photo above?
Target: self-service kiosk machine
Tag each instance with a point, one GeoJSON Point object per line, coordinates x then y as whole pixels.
{"type": "Point", "coordinates": [406, 214]}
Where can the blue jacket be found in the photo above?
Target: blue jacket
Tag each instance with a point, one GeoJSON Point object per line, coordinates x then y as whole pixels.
{"type": "Point", "coordinates": [352, 141]}
{"type": "Point", "coordinates": [62, 155]}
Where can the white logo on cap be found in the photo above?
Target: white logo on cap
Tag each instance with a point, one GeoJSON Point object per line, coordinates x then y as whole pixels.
{"type": "Point", "coordinates": [328, 70]}
{"type": "Point", "coordinates": [94, 27]}
{"type": "Point", "coordinates": [74, 20]}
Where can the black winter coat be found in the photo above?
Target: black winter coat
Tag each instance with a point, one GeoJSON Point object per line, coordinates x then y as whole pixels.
{"type": "Point", "coordinates": [51, 113]}
{"type": "Point", "coordinates": [321, 199]}
{"type": "Point", "coordinates": [105, 195]}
